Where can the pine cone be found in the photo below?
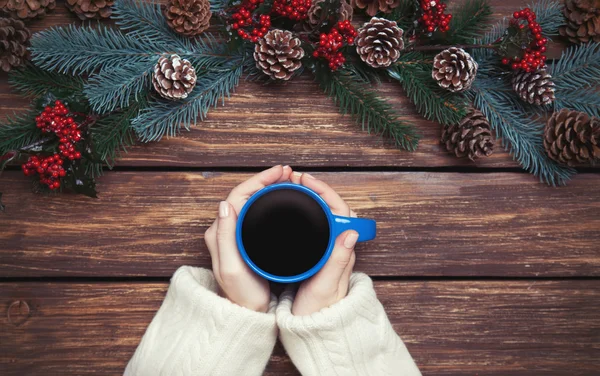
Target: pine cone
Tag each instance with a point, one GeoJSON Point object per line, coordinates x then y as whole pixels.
{"type": "Point", "coordinates": [14, 39]}
{"type": "Point", "coordinates": [379, 42]}
{"type": "Point", "coordinates": [534, 87]}
{"type": "Point", "coordinates": [278, 54]}
{"type": "Point", "coordinates": [316, 15]}
{"type": "Point", "coordinates": [471, 137]}
{"type": "Point", "coordinates": [25, 9]}
{"type": "Point", "coordinates": [572, 137]}
{"type": "Point", "coordinates": [454, 69]}
{"type": "Point", "coordinates": [88, 9]}
{"type": "Point", "coordinates": [583, 21]}
{"type": "Point", "coordinates": [188, 17]}
{"type": "Point", "coordinates": [174, 78]}
{"type": "Point", "coordinates": [374, 6]}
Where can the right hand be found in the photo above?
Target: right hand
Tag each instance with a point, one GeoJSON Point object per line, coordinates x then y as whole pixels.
{"type": "Point", "coordinates": [236, 281]}
{"type": "Point", "coordinates": [331, 283]}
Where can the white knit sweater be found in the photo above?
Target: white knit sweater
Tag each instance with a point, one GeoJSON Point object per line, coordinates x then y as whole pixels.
{"type": "Point", "coordinates": [196, 332]}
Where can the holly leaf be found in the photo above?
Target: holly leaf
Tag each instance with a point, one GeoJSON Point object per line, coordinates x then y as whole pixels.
{"type": "Point", "coordinates": [78, 181]}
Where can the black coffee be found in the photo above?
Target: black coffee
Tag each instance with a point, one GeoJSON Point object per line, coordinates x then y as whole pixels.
{"type": "Point", "coordinates": [285, 232]}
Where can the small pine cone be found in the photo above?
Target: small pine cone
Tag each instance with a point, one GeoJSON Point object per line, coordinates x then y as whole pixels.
{"type": "Point", "coordinates": [471, 137]}
{"type": "Point", "coordinates": [454, 69]}
{"type": "Point", "coordinates": [174, 78]}
{"type": "Point", "coordinates": [88, 9]}
{"type": "Point", "coordinates": [278, 54]}
{"type": "Point", "coordinates": [572, 137]}
{"type": "Point", "coordinates": [14, 39]}
{"type": "Point", "coordinates": [379, 42]}
{"type": "Point", "coordinates": [316, 15]}
{"type": "Point", "coordinates": [26, 9]}
{"type": "Point", "coordinates": [188, 17]}
{"type": "Point", "coordinates": [374, 6]}
{"type": "Point", "coordinates": [583, 21]}
{"type": "Point", "coordinates": [534, 87]}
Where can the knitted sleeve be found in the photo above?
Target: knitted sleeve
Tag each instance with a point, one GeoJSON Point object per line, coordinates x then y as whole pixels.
{"type": "Point", "coordinates": [352, 337]}
{"type": "Point", "coordinates": [197, 332]}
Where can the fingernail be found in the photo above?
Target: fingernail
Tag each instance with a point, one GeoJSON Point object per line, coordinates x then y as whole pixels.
{"type": "Point", "coordinates": [286, 167]}
{"type": "Point", "coordinates": [351, 239]}
{"type": "Point", "coordinates": [223, 209]}
{"type": "Point", "coordinates": [309, 176]}
{"type": "Point", "coordinates": [298, 174]}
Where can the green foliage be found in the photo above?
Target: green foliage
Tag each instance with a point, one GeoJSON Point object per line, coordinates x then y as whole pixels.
{"type": "Point", "coordinates": [521, 133]}
{"type": "Point", "coordinates": [549, 15]}
{"type": "Point", "coordinates": [19, 131]}
{"type": "Point", "coordinates": [404, 14]}
{"type": "Point", "coordinates": [371, 112]}
{"type": "Point", "coordinates": [431, 101]}
{"type": "Point", "coordinates": [32, 81]}
{"type": "Point", "coordinates": [468, 22]}
{"type": "Point", "coordinates": [164, 117]}
{"type": "Point", "coordinates": [114, 88]}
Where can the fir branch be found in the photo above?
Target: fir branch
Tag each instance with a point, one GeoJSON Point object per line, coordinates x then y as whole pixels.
{"type": "Point", "coordinates": [164, 117]}
{"type": "Point", "coordinates": [469, 21]}
{"type": "Point", "coordinates": [113, 88]}
{"type": "Point", "coordinates": [371, 112]}
{"type": "Point", "coordinates": [577, 68]}
{"type": "Point", "coordinates": [431, 101]}
{"type": "Point", "coordinates": [522, 135]}
{"type": "Point", "coordinates": [32, 81]}
{"type": "Point", "coordinates": [585, 100]}
{"type": "Point", "coordinates": [404, 14]}
{"type": "Point", "coordinates": [18, 131]}
{"type": "Point", "coordinates": [549, 15]}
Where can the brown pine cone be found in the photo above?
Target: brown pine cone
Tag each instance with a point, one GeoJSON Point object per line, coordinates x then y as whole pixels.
{"type": "Point", "coordinates": [471, 137]}
{"type": "Point", "coordinates": [374, 6]}
{"type": "Point", "coordinates": [454, 69]}
{"type": "Point", "coordinates": [174, 78]}
{"type": "Point", "coordinates": [278, 54]}
{"type": "Point", "coordinates": [26, 9]}
{"type": "Point", "coordinates": [188, 17]}
{"type": "Point", "coordinates": [88, 9]}
{"type": "Point", "coordinates": [316, 15]}
{"type": "Point", "coordinates": [572, 137]}
{"type": "Point", "coordinates": [379, 42]}
{"type": "Point", "coordinates": [583, 21]}
{"type": "Point", "coordinates": [14, 39]}
{"type": "Point", "coordinates": [534, 87]}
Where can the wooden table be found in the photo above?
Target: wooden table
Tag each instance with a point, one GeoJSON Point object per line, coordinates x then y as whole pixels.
{"type": "Point", "coordinates": [482, 269]}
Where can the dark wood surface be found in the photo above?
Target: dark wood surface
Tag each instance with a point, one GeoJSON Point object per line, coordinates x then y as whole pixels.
{"type": "Point", "coordinates": [451, 327]}
{"type": "Point", "coordinates": [482, 269]}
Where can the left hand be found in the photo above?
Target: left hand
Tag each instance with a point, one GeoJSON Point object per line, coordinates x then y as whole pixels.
{"type": "Point", "coordinates": [237, 282]}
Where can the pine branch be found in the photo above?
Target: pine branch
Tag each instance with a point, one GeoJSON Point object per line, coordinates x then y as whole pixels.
{"type": "Point", "coordinates": [164, 117]}
{"type": "Point", "coordinates": [404, 14]}
{"type": "Point", "coordinates": [577, 68]}
{"type": "Point", "coordinates": [371, 112]}
{"type": "Point", "coordinates": [585, 100]}
{"type": "Point", "coordinates": [32, 81]}
{"type": "Point", "coordinates": [113, 88]}
{"type": "Point", "coordinates": [431, 101]}
{"type": "Point", "coordinates": [521, 135]}
{"type": "Point", "coordinates": [18, 131]}
{"type": "Point", "coordinates": [469, 21]}
{"type": "Point", "coordinates": [549, 15]}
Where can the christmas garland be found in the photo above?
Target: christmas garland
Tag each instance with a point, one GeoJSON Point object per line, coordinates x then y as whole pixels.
{"type": "Point", "coordinates": [97, 89]}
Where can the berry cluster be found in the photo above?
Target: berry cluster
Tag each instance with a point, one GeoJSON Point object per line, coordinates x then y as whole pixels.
{"type": "Point", "coordinates": [50, 169]}
{"type": "Point", "coordinates": [330, 44]}
{"type": "Point", "coordinates": [295, 10]}
{"type": "Point", "coordinates": [55, 120]}
{"type": "Point", "coordinates": [533, 57]}
{"type": "Point", "coordinates": [242, 21]}
{"type": "Point", "coordinates": [433, 16]}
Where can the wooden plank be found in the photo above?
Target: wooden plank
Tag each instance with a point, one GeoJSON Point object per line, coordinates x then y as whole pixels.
{"type": "Point", "coordinates": [291, 123]}
{"type": "Point", "coordinates": [451, 328]}
{"type": "Point", "coordinates": [432, 224]}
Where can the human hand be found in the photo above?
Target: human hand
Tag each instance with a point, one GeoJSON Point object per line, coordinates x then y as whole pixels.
{"type": "Point", "coordinates": [237, 282]}
{"type": "Point", "coordinates": [330, 284]}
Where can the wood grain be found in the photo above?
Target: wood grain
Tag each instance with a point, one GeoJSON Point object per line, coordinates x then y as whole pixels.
{"type": "Point", "coordinates": [451, 328]}
{"type": "Point", "coordinates": [429, 224]}
{"type": "Point", "coordinates": [290, 123]}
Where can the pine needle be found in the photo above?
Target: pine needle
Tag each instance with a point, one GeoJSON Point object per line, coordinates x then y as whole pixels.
{"type": "Point", "coordinates": [18, 131]}
{"type": "Point", "coordinates": [469, 21]}
{"type": "Point", "coordinates": [32, 81]}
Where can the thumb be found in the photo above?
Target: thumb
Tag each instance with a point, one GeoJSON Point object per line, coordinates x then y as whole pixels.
{"type": "Point", "coordinates": [332, 272]}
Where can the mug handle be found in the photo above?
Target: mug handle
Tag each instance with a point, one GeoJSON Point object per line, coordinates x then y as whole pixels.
{"type": "Point", "coordinates": [366, 228]}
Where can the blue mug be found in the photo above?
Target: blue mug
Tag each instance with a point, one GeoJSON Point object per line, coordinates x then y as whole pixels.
{"type": "Point", "coordinates": [305, 198]}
